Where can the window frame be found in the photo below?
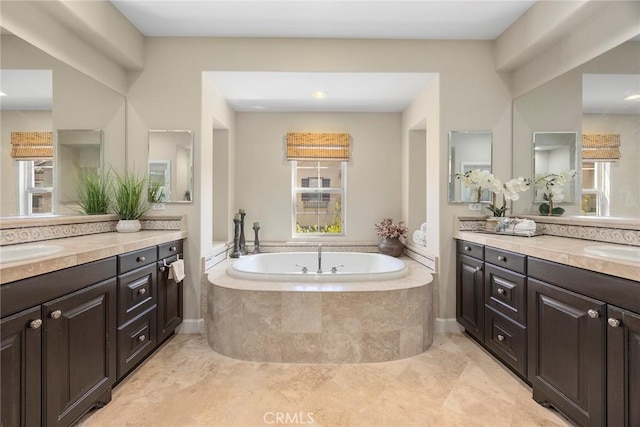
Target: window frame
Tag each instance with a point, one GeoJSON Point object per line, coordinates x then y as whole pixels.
{"type": "Point", "coordinates": [295, 190]}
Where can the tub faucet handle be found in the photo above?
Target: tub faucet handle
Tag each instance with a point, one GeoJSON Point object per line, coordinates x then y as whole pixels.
{"type": "Point", "coordinates": [334, 269]}
{"type": "Point", "coordinates": [304, 268]}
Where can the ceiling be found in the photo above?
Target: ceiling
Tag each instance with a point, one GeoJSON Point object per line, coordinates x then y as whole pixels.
{"type": "Point", "coordinates": [363, 92]}
{"type": "Point", "coordinates": [605, 93]}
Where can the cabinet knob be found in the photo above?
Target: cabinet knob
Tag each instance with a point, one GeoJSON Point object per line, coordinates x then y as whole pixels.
{"type": "Point", "coordinates": [141, 259]}
{"type": "Point", "coordinates": [35, 324]}
{"type": "Point", "coordinates": [478, 269]}
{"type": "Point", "coordinates": [614, 323]}
{"type": "Point", "coordinates": [502, 258]}
{"type": "Point", "coordinates": [467, 248]}
{"type": "Point", "coordinates": [56, 314]}
{"type": "Point", "coordinates": [501, 291]}
{"type": "Point", "coordinates": [142, 291]}
{"type": "Point", "coordinates": [501, 337]}
{"type": "Point", "coordinates": [163, 268]}
{"type": "Point", "coordinates": [142, 338]}
{"type": "Point", "coordinates": [173, 249]}
{"type": "Point", "coordinates": [593, 314]}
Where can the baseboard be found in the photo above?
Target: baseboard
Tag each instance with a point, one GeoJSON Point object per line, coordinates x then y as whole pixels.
{"type": "Point", "coordinates": [448, 326]}
{"type": "Point", "coordinates": [191, 326]}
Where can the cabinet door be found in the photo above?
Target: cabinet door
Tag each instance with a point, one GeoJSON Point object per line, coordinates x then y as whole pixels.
{"type": "Point", "coordinates": [566, 352]}
{"type": "Point", "coordinates": [80, 352]}
{"type": "Point", "coordinates": [169, 301]}
{"type": "Point", "coordinates": [20, 365]}
{"type": "Point", "coordinates": [470, 295]}
{"type": "Point", "coordinates": [623, 368]}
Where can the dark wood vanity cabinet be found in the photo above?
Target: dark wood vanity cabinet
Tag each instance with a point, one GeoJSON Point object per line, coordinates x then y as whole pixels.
{"type": "Point", "coordinates": [58, 352]}
{"type": "Point", "coordinates": [573, 334]}
{"type": "Point", "coordinates": [623, 368]}
{"type": "Point", "coordinates": [567, 357]}
{"type": "Point", "coordinates": [169, 291]}
{"type": "Point", "coordinates": [68, 336]}
{"type": "Point", "coordinates": [470, 288]}
{"type": "Point", "coordinates": [21, 368]}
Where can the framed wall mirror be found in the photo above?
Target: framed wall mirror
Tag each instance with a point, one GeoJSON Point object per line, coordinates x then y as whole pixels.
{"type": "Point", "coordinates": [468, 150]}
{"type": "Point", "coordinates": [170, 166]}
{"type": "Point", "coordinates": [554, 153]}
{"type": "Point", "coordinates": [79, 152]}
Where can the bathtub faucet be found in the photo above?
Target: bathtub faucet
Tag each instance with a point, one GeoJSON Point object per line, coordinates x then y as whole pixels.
{"type": "Point", "coordinates": [319, 259]}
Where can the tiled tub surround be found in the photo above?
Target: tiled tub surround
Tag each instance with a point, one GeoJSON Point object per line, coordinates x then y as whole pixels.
{"type": "Point", "coordinates": [84, 249]}
{"type": "Point", "coordinates": [320, 322]}
{"type": "Point", "coordinates": [25, 230]}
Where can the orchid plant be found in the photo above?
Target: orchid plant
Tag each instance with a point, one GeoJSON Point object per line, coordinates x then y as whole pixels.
{"type": "Point", "coordinates": [553, 185]}
{"type": "Point", "coordinates": [510, 192]}
{"type": "Point", "coordinates": [478, 180]}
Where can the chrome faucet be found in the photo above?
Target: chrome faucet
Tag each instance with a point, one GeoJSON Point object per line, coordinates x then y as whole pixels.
{"type": "Point", "coordinates": [319, 259]}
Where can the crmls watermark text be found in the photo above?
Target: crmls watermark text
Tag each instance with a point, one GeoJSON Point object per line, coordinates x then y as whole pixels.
{"type": "Point", "coordinates": [302, 418]}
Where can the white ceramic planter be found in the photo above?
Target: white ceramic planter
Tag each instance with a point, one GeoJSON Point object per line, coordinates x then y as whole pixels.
{"type": "Point", "coordinates": [128, 226]}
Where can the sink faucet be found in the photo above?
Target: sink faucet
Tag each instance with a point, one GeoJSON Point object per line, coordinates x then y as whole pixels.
{"type": "Point", "coordinates": [319, 259]}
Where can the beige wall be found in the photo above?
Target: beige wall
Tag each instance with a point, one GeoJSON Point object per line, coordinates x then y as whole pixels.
{"type": "Point", "coordinates": [263, 178]}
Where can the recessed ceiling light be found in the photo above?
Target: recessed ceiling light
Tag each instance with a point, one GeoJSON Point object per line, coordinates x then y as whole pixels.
{"type": "Point", "coordinates": [3, 94]}
{"type": "Point", "coordinates": [632, 97]}
{"type": "Point", "coordinates": [319, 94]}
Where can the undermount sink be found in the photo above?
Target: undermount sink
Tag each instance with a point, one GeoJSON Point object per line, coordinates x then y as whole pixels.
{"type": "Point", "coordinates": [19, 252]}
{"type": "Point", "coordinates": [625, 253]}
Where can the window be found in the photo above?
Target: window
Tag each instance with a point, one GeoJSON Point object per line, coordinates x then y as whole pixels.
{"type": "Point", "coordinates": [318, 194]}
{"type": "Point", "coordinates": [36, 186]}
{"type": "Point", "coordinates": [595, 188]}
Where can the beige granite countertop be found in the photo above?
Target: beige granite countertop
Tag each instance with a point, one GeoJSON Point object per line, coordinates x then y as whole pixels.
{"type": "Point", "coordinates": [83, 249]}
{"type": "Point", "coordinates": [562, 250]}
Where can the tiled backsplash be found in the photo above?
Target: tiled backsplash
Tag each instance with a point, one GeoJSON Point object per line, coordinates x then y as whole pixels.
{"type": "Point", "coordinates": [14, 231]}
{"type": "Point", "coordinates": [625, 232]}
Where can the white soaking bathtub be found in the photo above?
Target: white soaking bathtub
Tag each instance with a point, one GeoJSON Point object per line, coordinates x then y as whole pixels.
{"type": "Point", "coordinates": [374, 308]}
{"type": "Point", "coordinates": [303, 266]}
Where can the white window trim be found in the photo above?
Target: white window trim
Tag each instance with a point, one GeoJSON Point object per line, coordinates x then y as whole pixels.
{"type": "Point", "coordinates": [343, 205]}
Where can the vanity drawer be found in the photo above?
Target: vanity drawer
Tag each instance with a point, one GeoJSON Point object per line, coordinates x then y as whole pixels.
{"type": "Point", "coordinates": [506, 292]}
{"type": "Point", "coordinates": [506, 259]}
{"type": "Point", "coordinates": [474, 250]}
{"type": "Point", "coordinates": [133, 260]}
{"type": "Point", "coordinates": [137, 291]}
{"type": "Point", "coordinates": [169, 249]}
{"type": "Point", "coordinates": [507, 340]}
{"type": "Point", "coordinates": [136, 340]}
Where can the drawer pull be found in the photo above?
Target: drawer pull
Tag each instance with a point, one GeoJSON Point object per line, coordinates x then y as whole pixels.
{"type": "Point", "coordinates": [142, 291]}
{"type": "Point", "coordinates": [502, 258]}
{"type": "Point", "coordinates": [35, 324]}
{"type": "Point", "coordinates": [173, 249]}
{"type": "Point", "coordinates": [501, 337]}
{"type": "Point", "coordinates": [614, 323]}
{"type": "Point", "coordinates": [142, 338]}
{"type": "Point", "coordinates": [501, 291]}
{"type": "Point", "coordinates": [593, 314]}
{"type": "Point", "coordinates": [56, 314]}
{"type": "Point", "coordinates": [467, 248]}
{"type": "Point", "coordinates": [141, 259]}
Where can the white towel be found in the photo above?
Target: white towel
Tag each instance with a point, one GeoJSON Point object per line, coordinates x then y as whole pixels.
{"type": "Point", "coordinates": [176, 270]}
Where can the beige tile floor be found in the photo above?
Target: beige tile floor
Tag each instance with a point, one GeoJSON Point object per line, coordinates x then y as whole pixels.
{"type": "Point", "coordinates": [454, 383]}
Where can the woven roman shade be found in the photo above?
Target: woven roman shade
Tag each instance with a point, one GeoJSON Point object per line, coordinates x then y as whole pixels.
{"type": "Point", "coordinates": [318, 146]}
{"type": "Point", "coordinates": [600, 147]}
{"type": "Point", "coordinates": [31, 145]}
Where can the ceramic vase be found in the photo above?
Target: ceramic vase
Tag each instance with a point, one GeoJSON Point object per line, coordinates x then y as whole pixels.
{"type": "Point", "coordinates": [391, 246]}
{"type": "Point", "coordinates": [128, 226]}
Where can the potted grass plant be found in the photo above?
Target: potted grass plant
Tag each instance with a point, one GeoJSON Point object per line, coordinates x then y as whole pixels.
{"type": "Point", "coordinates": [129, 201]}
{"type": "Point", "coordinates": [93, 191]}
